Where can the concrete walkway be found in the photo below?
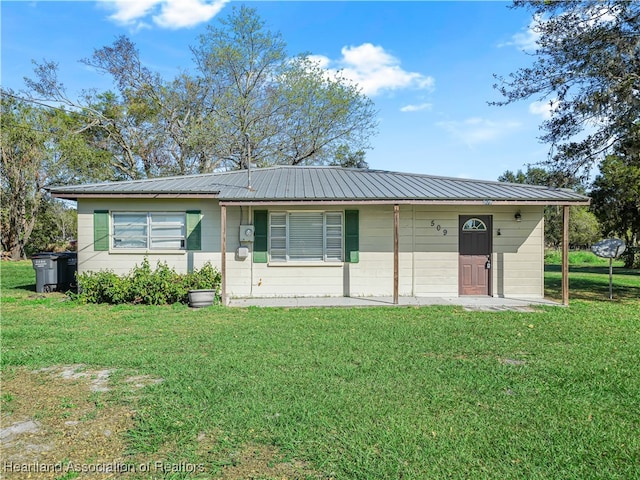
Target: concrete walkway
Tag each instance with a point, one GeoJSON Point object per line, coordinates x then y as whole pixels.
{"type": "Point", "coordinates": [470, 303]}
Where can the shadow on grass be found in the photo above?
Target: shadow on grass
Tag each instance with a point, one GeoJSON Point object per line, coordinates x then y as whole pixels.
{"type": "Point", "coordinates": [27, 287]}
{"type": "Point", "coordinates": [592, 283]}
{"type": "Point", "coordinates": [600, 270]}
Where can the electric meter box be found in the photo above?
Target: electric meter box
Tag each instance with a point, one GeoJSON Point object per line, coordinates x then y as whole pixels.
{"type": "Point", "coordinates": [246, 233]}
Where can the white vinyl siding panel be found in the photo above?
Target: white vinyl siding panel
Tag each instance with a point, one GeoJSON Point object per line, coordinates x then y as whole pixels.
{"type": "Point", "coordinates": [428, 259]}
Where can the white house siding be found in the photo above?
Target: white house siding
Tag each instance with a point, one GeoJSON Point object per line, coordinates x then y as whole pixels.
{"type": "Point", "coordinates": [518, 257]}
{"type": "Point", "coordinates": [518, 252]}
{"type": "Point", "coordinates": [238, 271]}
{"type": "Point", "coordinates": [245, 278]}
{"type": "Point", "coordinates": [122, 262]}
{"type": "Point", "coordinates": [371, 276]}
{"type": "Point", "coordinates": [428, 259]}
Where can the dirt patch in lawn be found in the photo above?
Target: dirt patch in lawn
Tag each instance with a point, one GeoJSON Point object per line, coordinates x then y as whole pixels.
{"type": "Point", "coordinates": [57, 421]}
{"type": "Point", "coordinates": [265, 462]}
{"type": "Point", "coordinates": [62, 422]}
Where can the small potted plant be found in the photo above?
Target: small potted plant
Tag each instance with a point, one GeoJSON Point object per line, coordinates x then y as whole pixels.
{"type": "Point", "coordinates": [204, 289]}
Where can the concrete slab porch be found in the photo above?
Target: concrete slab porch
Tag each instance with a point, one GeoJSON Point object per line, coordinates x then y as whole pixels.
{"type": "Point", "coordinates": [470, 303]}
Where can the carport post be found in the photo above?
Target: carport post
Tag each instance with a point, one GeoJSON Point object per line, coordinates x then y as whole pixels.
{"type": "Point", "coordinates": [396, 238]}
{"type": "Point", "coordinates": [565, 254]}
{"type": "Point", "coordinates": [223, 254]}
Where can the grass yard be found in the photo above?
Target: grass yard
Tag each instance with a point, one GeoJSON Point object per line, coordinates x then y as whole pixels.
{"type": "Point", "coordinates": [589, 277]}
{"type": "Point", "coordinates": [369, 393]}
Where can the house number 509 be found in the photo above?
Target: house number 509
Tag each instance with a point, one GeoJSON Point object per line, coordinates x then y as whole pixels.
{"type": "Point", "coordinates": [438, 227]}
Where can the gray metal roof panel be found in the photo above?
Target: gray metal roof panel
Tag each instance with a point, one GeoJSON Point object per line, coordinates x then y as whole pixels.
{"type": "Point", "coordinates": [326, 183]}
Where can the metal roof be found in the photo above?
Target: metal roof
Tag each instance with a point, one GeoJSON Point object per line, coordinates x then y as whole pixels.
{"type": "Point", "coordinates": [289, 183]}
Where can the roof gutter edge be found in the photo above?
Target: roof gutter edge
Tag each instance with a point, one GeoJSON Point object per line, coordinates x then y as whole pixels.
{"type": "Point", "coordinates": [73, 196]}
{"type": "Point", "coordinates": [488, 202]}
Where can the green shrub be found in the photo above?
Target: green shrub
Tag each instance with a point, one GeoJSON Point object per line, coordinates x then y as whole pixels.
{"type": "Point", "coordinates": [154, 287]}
{"type": "Point", "coordinates": [206, 277]}
{"type": "Point", "coordinates": [143, 285]}
{"type": "Point", "coordinates": [101, 287]}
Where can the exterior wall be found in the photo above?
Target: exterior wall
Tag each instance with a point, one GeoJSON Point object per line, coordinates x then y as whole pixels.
{"type": "Point", "coordinates": [518, 256]}
{"type": "Point", "coordinates": [518, 251]}
{"type": "Point", "coordinates": [245, 278]}
{"type": "Point", "coordinates": [122, 262]}
{"type": "Point", "coordinates": [428, 258]}
{"type": "Point", "coordinates": [371, 276]}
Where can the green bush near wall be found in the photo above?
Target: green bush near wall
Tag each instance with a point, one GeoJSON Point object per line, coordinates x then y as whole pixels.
{"type": "Point", "coordinates": [147, 286]}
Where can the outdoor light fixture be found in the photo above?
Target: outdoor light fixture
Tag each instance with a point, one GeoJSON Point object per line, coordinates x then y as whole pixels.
{"type": "Point", "coordinates": [518, 216]}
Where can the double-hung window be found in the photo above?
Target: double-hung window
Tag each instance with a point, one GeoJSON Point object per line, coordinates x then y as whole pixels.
{"type": "Point", "coordinates": [148, 230]}
{"type": "Point", "coordinates": [305, 236]}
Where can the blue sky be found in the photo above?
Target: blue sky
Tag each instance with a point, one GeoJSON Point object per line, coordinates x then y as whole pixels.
{"type": "Point", "coordinates": [428, 66]}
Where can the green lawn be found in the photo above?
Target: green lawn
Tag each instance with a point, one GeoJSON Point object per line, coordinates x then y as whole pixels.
{"type": "Point", "coordinates": [589, 277]}
{"type": "Point", "coordinates": [365, 393]}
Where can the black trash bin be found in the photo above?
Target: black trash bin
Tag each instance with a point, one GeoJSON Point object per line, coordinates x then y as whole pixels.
{"type": "Point", "coordinates": [54, 271]}
{"type": "Point", "coordinates": [46, 266]}
{"type": "Point", "coordinates": [71, 267]}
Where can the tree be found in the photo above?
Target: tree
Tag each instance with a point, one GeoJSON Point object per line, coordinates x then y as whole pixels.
{"type": "Point", "coordinates": [616, 202]}
{"type": "Point", "coordinates": [540, 176]}
{"type": "Point", "coordinates": [586, 66]}
{"type": "Point", "coordinates": [121, 125]}
{"type": "Point", "coordinates": [346, 158]}
{"type": "Point", "coordinates": [154, 128]}
{"type": "Point", "coordinates": [267, 108]}
{"type": "Point", "coordinates": [584, 229]}
{"type": "Point", "coordinates": [247, 101]}
{"type": "Point", "coordinates": [55, 226]}
{"type": "Point", "coordinates": [40, 147]}
{"type": "Point", "coordinates": [23, 153]}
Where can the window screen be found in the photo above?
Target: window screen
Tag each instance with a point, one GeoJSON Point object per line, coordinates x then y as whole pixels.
{"type": "Point", "coordinates": [305, 236]}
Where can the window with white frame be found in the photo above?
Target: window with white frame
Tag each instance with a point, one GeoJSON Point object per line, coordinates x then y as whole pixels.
{"type": "Point", "coordinates": [305, 236]}
{"type": "Point", "coordinates": [149, 230]}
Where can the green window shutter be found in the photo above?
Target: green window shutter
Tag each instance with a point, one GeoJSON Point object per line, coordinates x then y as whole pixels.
{"type": "Point", "coordinates": [101, 230]}
{"type": "Point", "coordinates": [352, 236]}
{"type": "Point", "coordinates": [194, 230]}
{"type": "Point", "coordinates": [260, 243]}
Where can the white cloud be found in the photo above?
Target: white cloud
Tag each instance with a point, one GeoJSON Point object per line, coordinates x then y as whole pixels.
{"type": "Point", "coordinates": [543, 108]}
{"type": "Point", "coordinates": [172, 13]}
{"type": "Point", "coordinates": [475, 130]}
{"type": "Point", "coordinates": [320, 60]}
{"type": "Point", "coordinates": [126, 11]}
{"type": "Point", "coordinates": [187, 13]}
{"type": "Point", "coordinates": [374, 70]}
{"type": "Point", "coordinates": [528, 39]}
{"type": "Point", "coordinates": [417, 108]}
